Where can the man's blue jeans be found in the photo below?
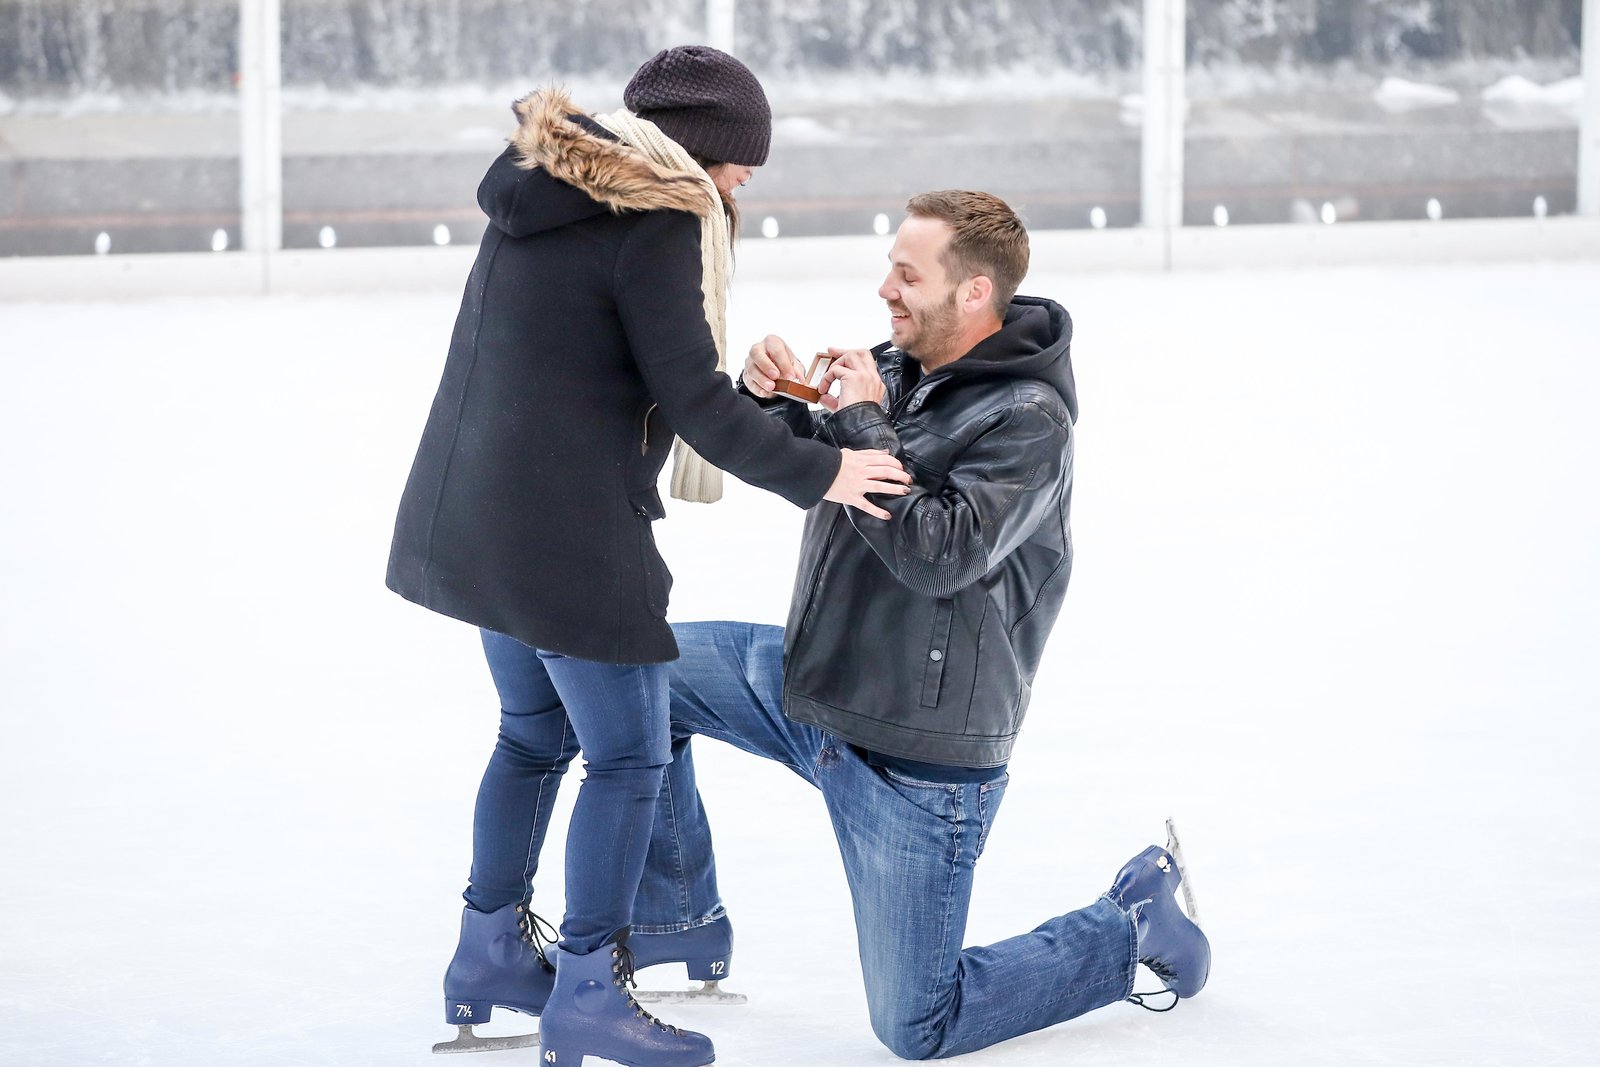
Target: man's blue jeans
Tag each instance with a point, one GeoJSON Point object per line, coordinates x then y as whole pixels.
{"type": "Point", "coordinates": [909, 850]}
{"type": "Point", "coordinates": [550, 705]}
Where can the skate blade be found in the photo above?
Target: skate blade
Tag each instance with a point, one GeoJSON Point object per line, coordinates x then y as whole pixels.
{"type": "Point", "coordinates": [708, 993]}
{"type": "Point", "coordinates": [1175, 847]}
{"type": "Point", "coordinates": [467, 1041]}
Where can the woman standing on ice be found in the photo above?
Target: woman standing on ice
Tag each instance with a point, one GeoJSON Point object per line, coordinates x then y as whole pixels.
{"type": "Point", "coordinates": [591, 333]}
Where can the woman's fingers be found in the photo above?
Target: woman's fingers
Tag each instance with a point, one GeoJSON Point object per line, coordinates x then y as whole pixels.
{"type": "Point", "coordinates": [779, 360]}
{"type": "Point", "coordinates": [762, 368]}
{"type": "Point", "coordinates": [863, 471]}
{"type": "Point", "coordinates": [888, 473]}
{"type": "Point", "coordinates": [765, 366]}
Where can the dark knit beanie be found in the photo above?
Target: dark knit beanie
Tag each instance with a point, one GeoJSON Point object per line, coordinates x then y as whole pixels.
{"type": "Point", "coordinates": [707, 101]}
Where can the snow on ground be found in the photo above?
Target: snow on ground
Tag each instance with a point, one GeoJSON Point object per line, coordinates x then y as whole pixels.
{"type": "Point", "coordinates": [1335, 608]}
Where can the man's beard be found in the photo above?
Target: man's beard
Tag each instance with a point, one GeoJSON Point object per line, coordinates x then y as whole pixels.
{"type": "Point", "coordinates": [934, 331]}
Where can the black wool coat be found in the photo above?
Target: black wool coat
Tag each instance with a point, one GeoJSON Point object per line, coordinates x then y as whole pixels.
{"type": "Point", "coordinates": [580, 349]}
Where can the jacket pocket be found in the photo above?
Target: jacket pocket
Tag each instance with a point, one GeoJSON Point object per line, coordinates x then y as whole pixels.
{"type": "Point", "coordinates": [642, 463]}
{"type": "Point", "coordinates": [938, 652]}
{"type": "Point", "coordinates": [657, 579]}
{"type": "Point", "coordinates": [646, 503]}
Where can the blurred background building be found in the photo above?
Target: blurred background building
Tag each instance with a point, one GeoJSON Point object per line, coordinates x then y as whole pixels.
{"type": "Point", "coordinates": [120, 122]}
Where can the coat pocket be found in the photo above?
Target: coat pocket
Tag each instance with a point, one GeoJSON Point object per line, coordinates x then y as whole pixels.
{"type": "Point", "coordinates": [657, 579]}
{"type": "Point", "coordinates": [938, 652]}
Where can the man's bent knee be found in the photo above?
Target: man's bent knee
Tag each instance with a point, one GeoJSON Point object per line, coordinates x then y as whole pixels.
{"type": "Point", "coordinates": [906, 1040]}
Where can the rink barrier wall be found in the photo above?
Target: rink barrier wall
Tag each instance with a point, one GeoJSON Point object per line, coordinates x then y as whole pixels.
{"type": "Point", "coordinates": [430, 269]}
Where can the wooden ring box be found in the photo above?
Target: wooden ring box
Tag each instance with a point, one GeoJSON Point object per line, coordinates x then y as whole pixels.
{"type": "Point", "coordinates": [807, 390]}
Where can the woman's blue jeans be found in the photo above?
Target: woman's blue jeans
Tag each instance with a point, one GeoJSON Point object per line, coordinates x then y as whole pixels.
{"type": "Point", "coordinates": [550, 707]}
{"type": "Point", "coordinates": [909, 850]}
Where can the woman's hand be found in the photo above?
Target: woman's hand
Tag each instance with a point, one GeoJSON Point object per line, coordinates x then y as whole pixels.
{"type": "Point", "coordinates": [856, 371]}
{"type": "Point", "coordinates": [769, 360]}
{"type": "Point", "coordinates": [868, 471]}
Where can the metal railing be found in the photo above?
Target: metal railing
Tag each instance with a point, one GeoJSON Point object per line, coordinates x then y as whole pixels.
{"type": "Point", "coordinates": [1589, 124]}
{"type": "Point", "coordinates": [1161, 240]}
{"type": "Point", "coordinates": [1162, 134]}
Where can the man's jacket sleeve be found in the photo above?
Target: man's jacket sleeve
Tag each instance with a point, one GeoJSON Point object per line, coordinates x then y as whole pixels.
{"type": "Point", "coordinates": [994, 496]}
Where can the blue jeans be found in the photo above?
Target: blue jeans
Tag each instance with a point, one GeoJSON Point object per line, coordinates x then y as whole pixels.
{"type": "Point", "coordinates": [550, 706]}
{"type": "Point", "coordinates": [909, 849]}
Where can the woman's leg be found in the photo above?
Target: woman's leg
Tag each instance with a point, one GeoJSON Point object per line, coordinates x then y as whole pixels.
{"type": "Point", "coordinates": [619, 713]}
{"type": "Point", "coordinates": [519, 786]}
{"type": "Point", "coordinates": [621, 717]}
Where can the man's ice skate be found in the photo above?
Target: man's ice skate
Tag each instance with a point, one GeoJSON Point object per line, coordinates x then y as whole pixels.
{"type": "Point", "coordinates": [500, 961]}
{"type": "Point", "coordinates": [1170, 941]}
{"type": "Point", "coordinates": [707, 953]}
{"type": "Point", "coordinates": [1186, 883]}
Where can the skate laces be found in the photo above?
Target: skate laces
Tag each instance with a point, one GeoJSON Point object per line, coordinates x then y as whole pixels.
{"type": "Point", "coordinates": [623, 970]}
{"type": "Point", "coordinates": [1140, 998]}
{"type": "Point", "coordinates": [539, 933]}
{"type": "Point", "coordinates": [1160, 969]}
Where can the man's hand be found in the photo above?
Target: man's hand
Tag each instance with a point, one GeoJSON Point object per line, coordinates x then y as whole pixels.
{"type": "Point", "coordinates": [870, 471]}
{"type": "Point", "coordinates": [857, 374]}
{"type": "Point", "coordinates": [769, 360]}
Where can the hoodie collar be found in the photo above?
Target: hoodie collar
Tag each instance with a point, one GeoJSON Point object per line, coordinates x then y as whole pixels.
{"type": "Point", "coordinates": [1035, 341]}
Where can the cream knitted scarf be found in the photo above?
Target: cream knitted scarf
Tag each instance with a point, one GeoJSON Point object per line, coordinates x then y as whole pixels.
{"type": "Point", "coordinates": [692, 477]}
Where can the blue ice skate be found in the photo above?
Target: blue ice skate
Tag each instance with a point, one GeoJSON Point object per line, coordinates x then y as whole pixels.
{"type": "Point", "coordinates": [502, 960]}
{"type": "Point", "coordinates": [707, 951]}
{"type": "Point", "coordinates": [592, 1012]}
{"type": "Point", "coordinates": [1170, 942]}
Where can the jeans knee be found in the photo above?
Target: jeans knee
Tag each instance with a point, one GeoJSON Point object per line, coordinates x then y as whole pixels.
{"type": "Point", "coordinates": [537, 737]}
{"type": "Point", "coordinates": [645, 767]}
{"type": "Point", "coordinates": [524, 760]}
{"type": "Point", "coordinates": [904, 1040]}
{"type": "Point", "coordinates": [629, 779]}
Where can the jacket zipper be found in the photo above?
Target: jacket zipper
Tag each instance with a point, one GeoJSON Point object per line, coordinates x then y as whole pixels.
{"type": "Point", "coordinates": [645, 447]}
{"type": "Point", "coordinates": [900, 407]}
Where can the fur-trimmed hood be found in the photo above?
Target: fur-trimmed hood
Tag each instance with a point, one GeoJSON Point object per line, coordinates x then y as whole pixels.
{"type": "Point", "coordinates": [563, 166]}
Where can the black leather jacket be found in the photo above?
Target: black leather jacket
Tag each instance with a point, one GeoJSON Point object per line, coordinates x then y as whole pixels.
{"type": "Point", "coordinates": [919, 637]}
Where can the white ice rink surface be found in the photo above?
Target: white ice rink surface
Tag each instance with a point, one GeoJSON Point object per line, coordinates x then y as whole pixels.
{"type": "Point", "coordinates": [1335, 608]}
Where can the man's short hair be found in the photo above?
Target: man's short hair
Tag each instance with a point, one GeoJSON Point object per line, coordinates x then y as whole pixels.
{"type": "Point", "coordinates": [988, 239]}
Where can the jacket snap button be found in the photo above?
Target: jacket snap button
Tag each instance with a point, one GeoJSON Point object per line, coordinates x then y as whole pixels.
{"type": "Point", "coordinates": [936, 655]}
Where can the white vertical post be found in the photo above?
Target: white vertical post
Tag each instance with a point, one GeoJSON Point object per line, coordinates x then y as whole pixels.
{"type": "Point", "coordinates": [1161, 159]}
{"type": "Point", "coordinates": [1589, 124]}
{"type": "Point", "coordinates": [261, 125]}
{"type": "Point", "coordinates": [719, 24]}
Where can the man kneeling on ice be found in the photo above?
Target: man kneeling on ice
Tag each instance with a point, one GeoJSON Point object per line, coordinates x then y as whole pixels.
{"type": "Point", "coordinates": [899, 684]}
